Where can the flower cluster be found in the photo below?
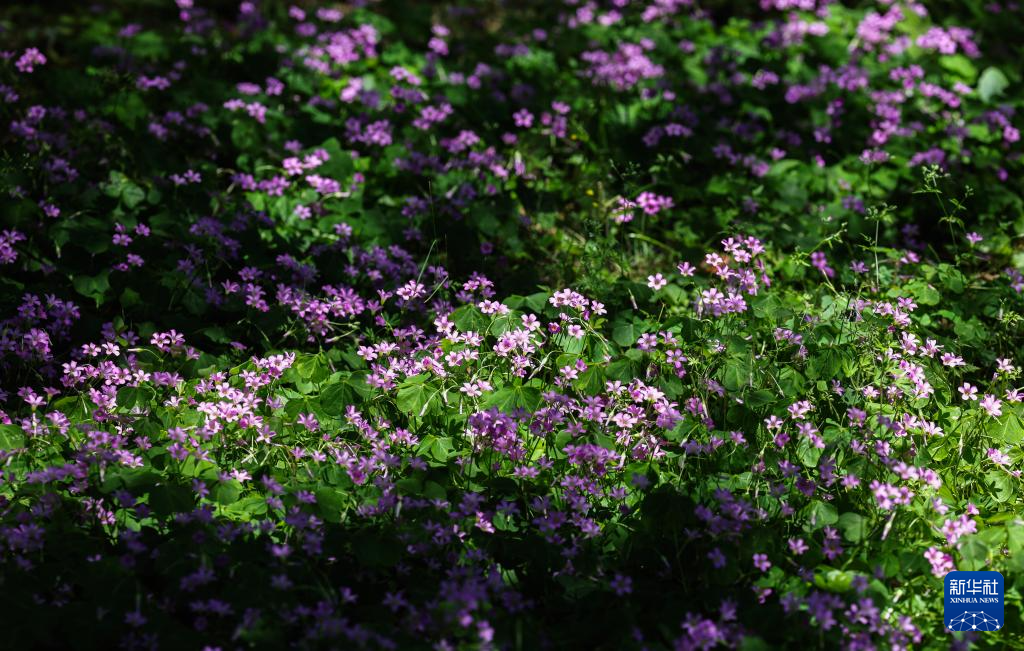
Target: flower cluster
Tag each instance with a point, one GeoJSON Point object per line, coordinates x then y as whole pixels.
{"type": "Point", "coordinates": [357, 326]}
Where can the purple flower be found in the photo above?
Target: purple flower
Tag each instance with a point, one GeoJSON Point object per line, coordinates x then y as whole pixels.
{"type": "Point", "coordinates": [761, 562]}
{"type": "Point", "coordinates": [29, 59]}
{"type": "Point", "coordinates": [622, 585]}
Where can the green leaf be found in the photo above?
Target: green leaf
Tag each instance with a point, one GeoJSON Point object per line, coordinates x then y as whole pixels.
{"type": "Point", "coordinates": [621, 369]}
{"type": "Point", "coordinates": [808, 453]}
{"type": "Point", "coordinates": [736, 373]}
{"type": "Point", "coordinates": [991, 84]}
{"type": "Point", "coordinates": [1007, 429]}
{"type": "Point", "coordinates": [754, 643]}
{"type": "Point", "coordinates": [952, 279]}
{"type": "Point", "coordinates": [128, 397]}
{"type": "Point", "coordinates": [1002, 487]}
{"type": "Point", "coordinates": [227, 492]}
{"type": "Point", "coordinates": [409, 486]}
{"type": "Point", "coordinates": [510, 398]}
{"type": "Point", "coordinates": [468, 318]}
{"type": "Point", "coordinates": [1015, 538]}
{"type": "Point", "coordinates": [11, 437]}
{"type": "Point", "coordinates": [434, 491]}
{"type": "Point", "coordinates": [345, 391]}
{"type": "Point", "coordinates": [331, 504]}
{"type": "Point", "coordinates": [960, 65]}
{"type": "Point", "coordinates": [132, 195]}
{"type": "Point", "coordinates": [924, 293]}
{"type": "Point", "coordinates": [339, 165]}
{"type": "Point", "coordinates": [826, 365]}
{"type": "Point", "coordinates": [791, 381]}
{"type": "Point", "coordinates": [854, 526]}
{"type": "Point", "coordinates": [115, 184]}
{"type": "Point", "coordinates": [974, 552]}
{"type": "Point", "coordinates": [247, 507]}
{"type": "Point", "coordinates": [939, 450]}
{"type": "Point", "coordinates": [538, 301]}
{"type": "Point", "coordinates": [820, 514]}
{"type": "Point", "coordinates": [591, 382]}
{"type": "Point", "coordinates": [624, 335]}
{"type": "Point", "coordinates": [834, 580]}
{"type": "Point", "coordinates": [759, 398]}
{"type": "Point", "coordinates": [970, 330]}
{"type": "Point", "coordinates": [119, 185]}
{"type": "Point", "coordinates": [93, 287]}
{"type": "Point", "coordinates": [416, 395]}
{"type": "Point", "coordinates": [441, 449]}
{"type": "Point", "coordinates": [437, 448]}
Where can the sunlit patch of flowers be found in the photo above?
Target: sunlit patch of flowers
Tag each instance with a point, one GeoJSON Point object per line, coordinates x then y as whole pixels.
{"type": "Point", "coordinates": [406, 326]}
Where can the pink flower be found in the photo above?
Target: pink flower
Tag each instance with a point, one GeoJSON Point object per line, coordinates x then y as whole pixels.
{"type": "Point", "coordinates": [652, 203]}
{"type": "Point", "coordinates": [888, 496]}
{"type": "Point", "coordinates": [717, 558]}
{"type": "Point", "coordinates": [942, 563]}
{"type": "Point", "coordinates": [471, 389]}
{"type": "Point", "coordinates": [798, 410]}
{"type": "Point", "coordinates": [647, 341]}
{"type": "Point", "coordinates": [523, 118]}
{"type": "Point", "coordinates": [656, 282]}
{"type": "Point", "coordinates": [951, 360]}
{"type": "Point", "coordinates": [968, 392]}
{"type": "Point", "coordinates": [992, 405]}
{"type": "Point", "coordinates": [623, 213]}
{"type": "Point", "coordinates": [493, 307]}
{"type": "Point", "coordinates": [530, 322]}
{"type": "Point", "coordinates": [998, 456]}
{"type": "Point", "coordinates": [761, 562]}
{"type": "Point", "coordinates": [29, 59]}
{"type": "Point", "coordinates": [624, 420]}
{"type": "Point", "coordinates": [622, 585]}
{"type": "Point", "coordinates": [476, 389]}
{"type": "Point", "coordinates": [954, 530]}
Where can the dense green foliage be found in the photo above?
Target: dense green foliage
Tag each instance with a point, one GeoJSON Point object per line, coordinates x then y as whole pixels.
{"type": "Point", "coordinates": [477, 325]}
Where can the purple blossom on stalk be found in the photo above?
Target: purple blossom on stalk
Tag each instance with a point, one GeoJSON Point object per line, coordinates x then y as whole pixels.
{"type": "Point", "coordinates": [819, 262]}
{"type": "Point", "coordinates": [656, 281]}
{"type": "Point", "coordinates": [624, 68]}
{"type": "Point", "coordinates": [954, 529]}
{"type": "Point", "coordinates": [652, 203]}
{"type": "Point", "coordinates": [991, 405]}
{"type": "Point", "coordinates": [998, 457]}
{"type": "Point", "coordinates": [523, 118]}
{"type": "Point", "coordinates": [941, 562]}
{"type": "Point", "coordinates": [29, 59]}
{"type": "Point", "coordinates": [717, 558]}
{"type": "Point", "coordinates": [622, 585]}
{"type": "Point", "coordinates": [8, 239]}
{"type": "Point", "coordinates": [623, 211]}
{"type": "Point", "coordinates": [968, 391]}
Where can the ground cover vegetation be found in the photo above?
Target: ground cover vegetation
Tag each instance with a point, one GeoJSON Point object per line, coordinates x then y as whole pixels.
{"type": "Point", "coordinates": [603, 324]}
